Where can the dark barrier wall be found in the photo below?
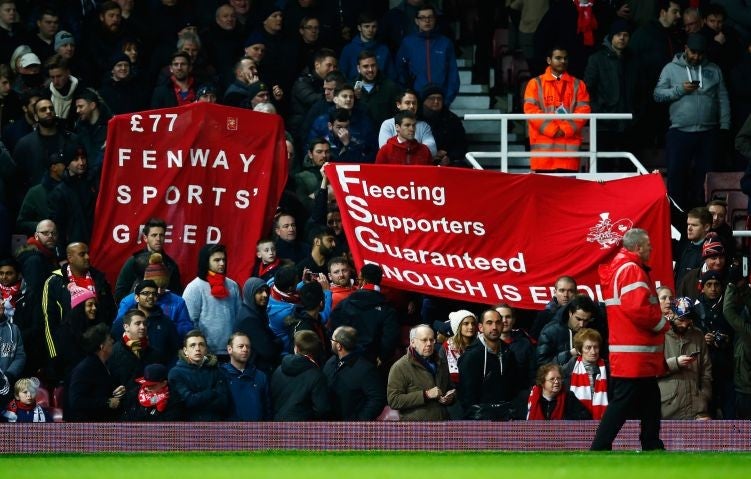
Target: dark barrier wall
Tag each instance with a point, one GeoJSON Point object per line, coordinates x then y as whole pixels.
{"type": "Point", "coordinates": [455, 435]}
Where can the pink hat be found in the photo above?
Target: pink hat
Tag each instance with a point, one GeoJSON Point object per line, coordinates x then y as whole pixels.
{"type": "Point", "coordinates": [79, 295]}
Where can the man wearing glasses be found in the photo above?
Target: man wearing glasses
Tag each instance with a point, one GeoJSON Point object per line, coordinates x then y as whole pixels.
{"type": "Point", "coordinates": [162, 331]}
{"type": "Point", "coordinates": [428, 57]}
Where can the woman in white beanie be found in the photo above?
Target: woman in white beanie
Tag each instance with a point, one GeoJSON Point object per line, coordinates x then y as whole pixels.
{"type": "Point", "coordinates": [464, 326]}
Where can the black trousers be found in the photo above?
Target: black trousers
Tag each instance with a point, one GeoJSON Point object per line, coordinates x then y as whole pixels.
{"type": "Point", "coordinates": [631, 398]}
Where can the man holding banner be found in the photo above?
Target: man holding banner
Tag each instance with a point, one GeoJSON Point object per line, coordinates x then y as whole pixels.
{"type": "Point", "coordinates": [637, 334]}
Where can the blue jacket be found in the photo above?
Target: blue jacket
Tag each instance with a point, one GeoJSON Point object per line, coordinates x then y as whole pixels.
{"type": "Point", "coordinates": [173, 306]}
{"type": "Point", "coordinates": [278, 311]}
{"type": "Point", "coordinates": [428, 57]}
{"type": "Point", "coordinates": [251, 400]}
{"type": "Point", "coordinates": [348, 58]}
{"type": "Point", "coordinates": [203, 389]}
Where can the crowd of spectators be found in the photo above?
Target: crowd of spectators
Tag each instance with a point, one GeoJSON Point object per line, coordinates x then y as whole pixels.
{"type": "Point", "coordinates": [305, 336]}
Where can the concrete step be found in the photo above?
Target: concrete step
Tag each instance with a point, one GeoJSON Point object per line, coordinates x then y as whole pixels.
{"type": "Point", "coordinates": [465, 76]}
{"type": "Point", "coordinates": [464, 62]}
{"type": "Point", "coordinates": [471, 101]}
{"type": "Point", "coordinates": [470, 88]}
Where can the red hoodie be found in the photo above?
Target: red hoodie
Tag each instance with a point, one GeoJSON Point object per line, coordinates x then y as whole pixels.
{"type": "Point", "coordinates": [409, 152]}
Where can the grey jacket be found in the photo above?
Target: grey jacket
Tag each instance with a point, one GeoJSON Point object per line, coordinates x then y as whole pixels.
{"type": "Point", "coordinates": [706, 108]}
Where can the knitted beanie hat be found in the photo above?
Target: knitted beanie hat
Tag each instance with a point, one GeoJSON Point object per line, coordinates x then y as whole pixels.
{"type": "Point", "coordinates": [157, 271]}
{"type": "Point", "coordinates": [78, 294]}
{"type": "Point", "coordinates": [455, 319]}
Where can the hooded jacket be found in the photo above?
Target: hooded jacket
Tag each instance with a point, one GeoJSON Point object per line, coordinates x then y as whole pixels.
{"type": "Point", "coordinates": [375, 320]}
{"type": "Point", "coordinates": [349, 58]}
{"type": "Point", "coordinates": [254, 322]}
{"type": "Point", "coordinates": [299, 391]}
{"type": "Point", "coordinates": [356, 388]}
{"type": "Point", "coordinates": [487, 376]}
{"type": "Point", "coordinates": [704, 109]}
{"type": "Point", "coordinates": [12, 355]}
{"type": "Point", "coordinates": [202, 388]}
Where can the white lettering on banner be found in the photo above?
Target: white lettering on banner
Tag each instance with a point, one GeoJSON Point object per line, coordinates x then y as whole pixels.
{"type": "Point", "coordinates": [123, 234]}
{"type": "Point", "coordinates": [370, 240]}
{"type": "Point", "coordinates": [153, 120]}
{"type": "Point", "coordinates": [192, 194]}
{"type": "Point", "coordinates": [439, 283]}
{"type": "Point", "coordinates": [507, 292]}
{"type": "Point", "coordinates": [198, 158]}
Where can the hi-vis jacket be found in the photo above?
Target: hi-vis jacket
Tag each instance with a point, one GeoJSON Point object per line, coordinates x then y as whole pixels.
{"type": "Point", "coordinates": [635, 322]}
{"type": "Point", "coordinates": [548, 94]}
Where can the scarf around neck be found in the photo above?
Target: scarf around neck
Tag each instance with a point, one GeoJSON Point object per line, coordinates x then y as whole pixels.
{"type": "Point", "coordinates": [150, 399]}
{"type": "Point", "coordinates": [134, 345]}
{"type": "Point", "coordinates": [593, 397]}
{"type": "Point", "coordinates": [534, 406]}
{"type": "Point", "coordinates": [218, 286]}
{"type": "Point", "coordinates": [291, 298]}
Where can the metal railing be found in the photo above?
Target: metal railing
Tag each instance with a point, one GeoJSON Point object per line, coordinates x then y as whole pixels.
{"type": "Point", "coordinates": [504, 154]}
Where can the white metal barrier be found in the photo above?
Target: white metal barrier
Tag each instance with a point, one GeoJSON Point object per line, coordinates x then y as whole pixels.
{"type": "Point", "coordinates": [504, 154]}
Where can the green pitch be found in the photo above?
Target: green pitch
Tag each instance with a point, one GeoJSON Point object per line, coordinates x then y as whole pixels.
{"type": "Point", "coordinates": [381, 465]}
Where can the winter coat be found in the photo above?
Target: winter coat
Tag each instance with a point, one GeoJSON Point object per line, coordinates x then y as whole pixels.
{"type": "Point", "coordinates": [357, 389]}
{"type": "Point", "coordinates": [348, 60]}
{"type": "Point", "coordinates": [89, 391]}
{"type": "Point", "coordinates": [134, 268]}
{"type": "Point", "coordinates": [410, 152]}
{"type": "Point", "coordinates": [171, 305]}
{"type": "Point", "coordinates": [611, 80]}
{"type": "Point", "coordinates": [686, 392]}
{"type": "Point", "coordinates": [408, 380]}
{"type": "Point", "coordinates": [71, 206]}
{"type": "Point", "coordinates": [486, 376]}
{"type": "Point", "coordinates": [299, 391]}
{"type": "Point", "coordinates": [375, 320]}
{"type": "Point", "coordinates": [202, 388]}
{"type": "Point", "coordinates": [428, 57]}
{"type": "Point", "coordinates": [380, 100]}
{"type": "Point", "coordinates": [635, 322]}
{"type": "Point", "coordinates": [736, 310]}
{"type": "Point", "coordinates": [254, 322]}
{"type": "Point", "coordinates": [704, 109]}
{"type": "Point", "coordinates": [249, 389]}
{"type": "Point", "coordinates": [12, 352]}
{"type": "Point", "coordinates": [125, 367]}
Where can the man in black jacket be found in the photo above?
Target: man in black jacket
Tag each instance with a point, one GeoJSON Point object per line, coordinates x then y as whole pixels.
{"type": "Point", "coordinates": [298, 387]}
{"type": "Point", "coordinates": [357, 393]}
{"type": "Point", "coordinates": [254, 322]}
{"type": "Point", "coordinates": [368, 311]}
{"type": "Point", "coordinates": [556, 343]}
{"type": "Point", "coordinates": [487, 369]}
{"type": "Point", "coordinates": [131, 352]}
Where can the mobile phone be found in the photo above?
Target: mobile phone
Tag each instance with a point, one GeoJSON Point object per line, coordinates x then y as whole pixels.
{"type": "Point", "coordinates": [695, 354]}
{"type": "Point", "coordinates": [696, 82]}
{"type": "Point", "coordinates": [358, 85]}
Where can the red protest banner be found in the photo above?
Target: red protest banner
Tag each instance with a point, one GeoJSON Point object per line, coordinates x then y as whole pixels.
{"type": "Point", "coordinates": [213, 173]}
{"type": "Point", "coordinates": [492, 237]}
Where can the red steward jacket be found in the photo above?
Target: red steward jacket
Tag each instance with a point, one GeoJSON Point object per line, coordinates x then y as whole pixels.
{"type": "Point", "coordinates": [635, 323]}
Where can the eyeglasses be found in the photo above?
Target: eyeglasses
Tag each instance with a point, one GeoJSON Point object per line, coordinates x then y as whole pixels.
{"type": "Point", "coordinates": [47, 233]}
{"type": "Point", "coordinates": [148, 294]}
{"type": "Point", "coordinates": [554, 380]}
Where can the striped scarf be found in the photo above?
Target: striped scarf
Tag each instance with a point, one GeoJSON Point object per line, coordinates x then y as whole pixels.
{"type": "Point", "coordinates": [583, 387]}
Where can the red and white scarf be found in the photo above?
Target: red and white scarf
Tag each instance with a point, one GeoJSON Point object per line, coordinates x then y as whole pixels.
{"type": "Point", "coordinates": [582, 388]}
{"type": "Point", "coordinates": [452, 358]}
{"type": "Point", "coordinates": [151, 399]}
{"type": "Point", "coordinates": [586, 23]}
{"type": "Point", "coordinates": [86, 281]}
{"type": "Point", "coordinates": [11, 293]}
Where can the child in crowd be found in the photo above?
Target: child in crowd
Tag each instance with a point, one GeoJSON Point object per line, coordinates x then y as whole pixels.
{"type": "Point", "coordinates": [24, 407]}
{"type": "Point", "coordinates": [267, 262]}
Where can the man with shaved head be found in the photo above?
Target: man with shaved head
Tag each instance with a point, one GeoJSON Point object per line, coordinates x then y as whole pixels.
{"type": "Point", "coordinates": [73, 276]}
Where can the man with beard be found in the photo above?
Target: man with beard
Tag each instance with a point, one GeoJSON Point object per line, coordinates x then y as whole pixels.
{"type": "Point", "coordinates": [340, 275]}
{"type": "Point", "coordinates": [162, 336]}
{"type": "Point", "coordinates": [56, 295]}
{"type": "Point", "coordinates": [253, 321]}
{"type": "Point", "coordinates": [213, 299]}
{"type": "Point", "coordinates": [373, 90]}
{"type": "Point", "coordinates": [487, 368]}
{"type": "Point", "coordinates": [248, 386]}
{"type": "Point", "coordinates": [91, 127]}
{"type": "Point", "coordinates": [180, 89]}
{"type": "Point", "coordinates": [12, 132]}
{"type": "Point", "coordinates": [699, 109]}
{"type": "Point", "coordinates": [33, 150]}
{"type": "Point", "coordinates": [418, 384]}
{"type": "Point", "coordinates": [154, 234]}
{"type": "Point", "coordinates": [104, 39]}
{"type": "Point", "coordinates": [321, 251]}
{"type": "Point", "coordinates": [308, 180]}
{"type": "Point", "coordinates": [687, 387]}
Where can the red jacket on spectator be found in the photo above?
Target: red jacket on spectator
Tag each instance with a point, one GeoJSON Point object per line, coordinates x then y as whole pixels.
{"type": "Point", "coordinates": [409, 152]}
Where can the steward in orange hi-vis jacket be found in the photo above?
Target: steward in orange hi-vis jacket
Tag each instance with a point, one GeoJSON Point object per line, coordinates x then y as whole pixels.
{"type": "Point", "coordinates": [555, 91]}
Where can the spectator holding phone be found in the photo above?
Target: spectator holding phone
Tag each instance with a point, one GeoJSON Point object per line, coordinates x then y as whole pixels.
{"type": "Point", "coordinates": [687, 387]}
